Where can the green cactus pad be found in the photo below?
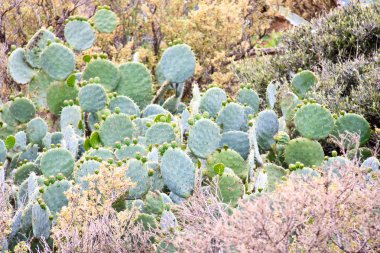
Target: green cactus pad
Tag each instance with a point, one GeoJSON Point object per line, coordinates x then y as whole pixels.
{"type": "Point", "coordinates": [36, 130]}
{"type": "Point", "coordinates": [171, 104]}
{"type": "Point", "coordinates": [230, 159]}
{"type": "Point", "coordinates": [136, 83]}
{"type": "Point", "coordinates": [6, 115]}
{"type": "Point", "coordinates": [231, 188]}
{"type": "Point", "coordinates": [23, 172]}
{"type": "Point", "coordinates": [153, 110]}
{"type": "Point", "coordinates": [204, 138]}
{"type": "Point", "coordinates": [140, 125]}
{"type": "Point", "coordinates": [138, 174]}
{"type": "Point", "coordinates": [126, 152]}
{"type": "Point", "coordinates": [22, 109]}
{"type": "Point", "coordinates": [153, 203]}
{"type": "Point", "coordinates": [313, 121]}
{"type": "Point", "coordinates": [38, 87]}
{"type": "Point", "coordinates": [58, 160]}
{"type": "Point", "coordinates": [71, 116]}
{"type": "Point", "coordinates": [54, 196]}
{"type": "Point", "coordinates": [304, 151]}
{"type": "Point", "coordinates": [212, 101]}
{"type": "Point", "coordinates": [307, 172]}
{"type": "Point", "coordinates": [232, 118]}
{"type": "Point", "coordinates": [160, 133]}
{"type": "Point", "coordinates": [105, 21]}
{"type": "Point", "coordinates": [107, 72]}
{"type": "Point", "coordinates": [157, 181]}
{"type": "Point", "coordinates": [266, 125]}
{"type": "Point", "coordinates": [250, 98]}
{"type": "Point", "coordinates": [36, 45]}
{"type": "Point", "coordinates": [126, 105]}
{"type": "Point", "coordinates": [148, 221]}
{"type": "Point", "coordinates": [238, 141]}
{"type": "Point", "coordinates": [177, 64]}
{"type": "Point", "coordinates": [41, 223]}
{"type": "Point", "coordinates": [79, 34]}
{"type": "Point", "coordinates": [302, 82]}
{"type": "Point", "coordinates": [26, 219]}
{"type": "Point", "coordinates": [288, 103]}
{"type": "Point", "coordinates": [20, 71]}
{"type": "Point", "coordinates": [57, 93]}
{"type": "Point", "coordinates": [178, 172]}
{"type": "Point", "coordinates": [58, 61]}
{"type": "Point", "coordinates": [274, 175]}
{"type": "Point", "coordinates": [92, 98]}
{"type": "Point", "coordinates": [353, 123]}
{"type": "Point", "coordinates": [115, 128]}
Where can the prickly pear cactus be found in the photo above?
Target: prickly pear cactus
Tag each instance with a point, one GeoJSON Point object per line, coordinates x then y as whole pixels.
{"type": "Point", "coordinates": [204, 138]}
{"type": "Point", "coordinates": [305, 151]}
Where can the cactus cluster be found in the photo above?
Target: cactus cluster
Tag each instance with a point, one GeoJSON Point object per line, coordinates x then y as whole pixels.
{"type": "Point", "coordinates": [107, 113]}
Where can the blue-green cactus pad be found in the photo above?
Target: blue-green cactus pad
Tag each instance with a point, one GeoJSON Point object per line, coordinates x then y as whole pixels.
{"type": "Point", "coordinates": [266, 125]}
{"type": "Point", "coordinates": [36, 130]}
{"type": "Point", "coordinates": [353, 123]}
{"type": "Point", "coordinates": [303, 82]}
{"type": "Point", "coordinates": [275, 175]}
{"type": "Point", "coordinates": [303, 150]}
{"type": "Point", "coordinates": [177, 64]}
{"type": "Point", "coordinates": [289, 102]}
{"type": "Point", "coordinates": [157, 182]}
{"type": "Point", "coordinates": [204, 138]}
{"type": "Point", "coordinates": [307, 172]}
{"type": "Point", "coordinates": [58, 160]}
{"type": "Point", "coordinates": [140, 125]}
{"type": "Point", "coordinates": [371, 163]}
{"type": "Point", "coordinates": [85, 169]}
{"type": "Point", "coordinates": [20, 71]}
{"type": "Point", "coordinates": [6, 115]}
{"type": "Point", "coordinates": [107, 72]}
{"type": "Point", "coordinates": [71, 116]}
{"type": "Point", "coordinates": [154, 109]}
{"type": "Point", "coordinates": [54, 196]}
{"type": "Point", "coordinates": [22, 109]}
{"type": "Point", "coordinates": [232, 118]}
{"type": "Point", "coordinates": [115, 128]}
{"type": "Point", "coordinates": [38, 88]}
{"type": "Point", "coordinates": [58, 61]}
{"type": "Point", "coordinates": [159, 133]}
{"type": "Point", "coordinates": [138, 174]}
{"type": "Point", "coordinates": [313, 121]}
{"type": "Point", "coordinates": [105, 21]}
{"type": "Point", "coordinates": [92, 98]}
{"type": "Point", "coordinates": [231, 159]}
{"type": "Point", "coordinates": [36, 45]}
{"type": "Point", "coordinates": [250, 98]}
{"type": "Point", "coordinates": [79, 34]}
{"type": "Point", "coordinates": [153, 203]}
{"type": "Point", "coordinates": [136, 83]}
{"type": "Point", "coordinates": [126, 105]}
{"type": "Point", "coordinates": [41, 223]}
{"type": "Point", "coordinates": [57, 93]}
{"type": "Point", "coordinates": [23, 172]}
{"type": "Point", "coordinates": [103, 153]}
{"type": "Point", "coordinates": [236, 140]}
{"type": "Point", "coordinates": [126, 152]}
{"type": "Point", "coordinates": [178, 172]}
{"type": "Point", "coordinates": [212, 101]}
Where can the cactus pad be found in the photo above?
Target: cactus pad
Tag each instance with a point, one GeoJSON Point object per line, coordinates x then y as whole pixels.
{"type": "Point", "coordinates": [56, 161]}
{"type": "Point", "coordinates": [212, 101]}
{"type": "Point", "coordinates": [177, 64]}
{"type": "Point", "coordinates": [313, 121]}
{"type": "Point", "coordinates": [204, 138]}
{"type": "Point", "coordinates": [22, 109]}
{"type": "Point", "coordinates": [238, 141]}
{"type": "Point", "coordinates": [178, 172]}
{"type": "Point", "coordinates": [302, 82]}
{"type": "Point", "coordinates": [232, 118]}
{"type": "Point", "coordinates": [36, 130]}
{"type": "Point", "coordinates": [305, 151]}
{"type": "Point", "coordinates": [353, 123]}
{"type": "Point", "coordinates": [79, 34]}
{"type": "Point", "coordinates": [136, 83]}
{"type": "Point", "coordinates": [36, 45]}
{"type": "Point", "coordinates": [230, 159]}
{"type": "Point", "coordinates": [40, 221]}
{"type": "Point", "coordinates": [58, 61]}
{"type": "Point", "coordinates": [288, 103]}
{"type": "Point", "coordinates": [92, 98]}
{"type": "Point", "coordinates": [126, 152]}
{"type": "Point", "coordinates": [231, 188]}
{"type": "Point", "coordinates": [107, 72]}
{"type": "Point", "coordinates": [115, 128]}
{"type": "Point", "coordinates": [266, 125]}
{"type": "Point", "coordinates": [249, 98]}
{"type": "Point", "coordinates": [138, 174]}
{"type": "Point", "coordinates": [57, 93]}
{"type": "Point", "coordinates": [20, 71]}
{"type": "Point", "coordinates": [126, 105]}
{"type": "Point", "coordinates": [160, 133]}
{"type": "Point", "coordinates": [54, 196]}
{"type": "Point", "coordinates": [105, 21]}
